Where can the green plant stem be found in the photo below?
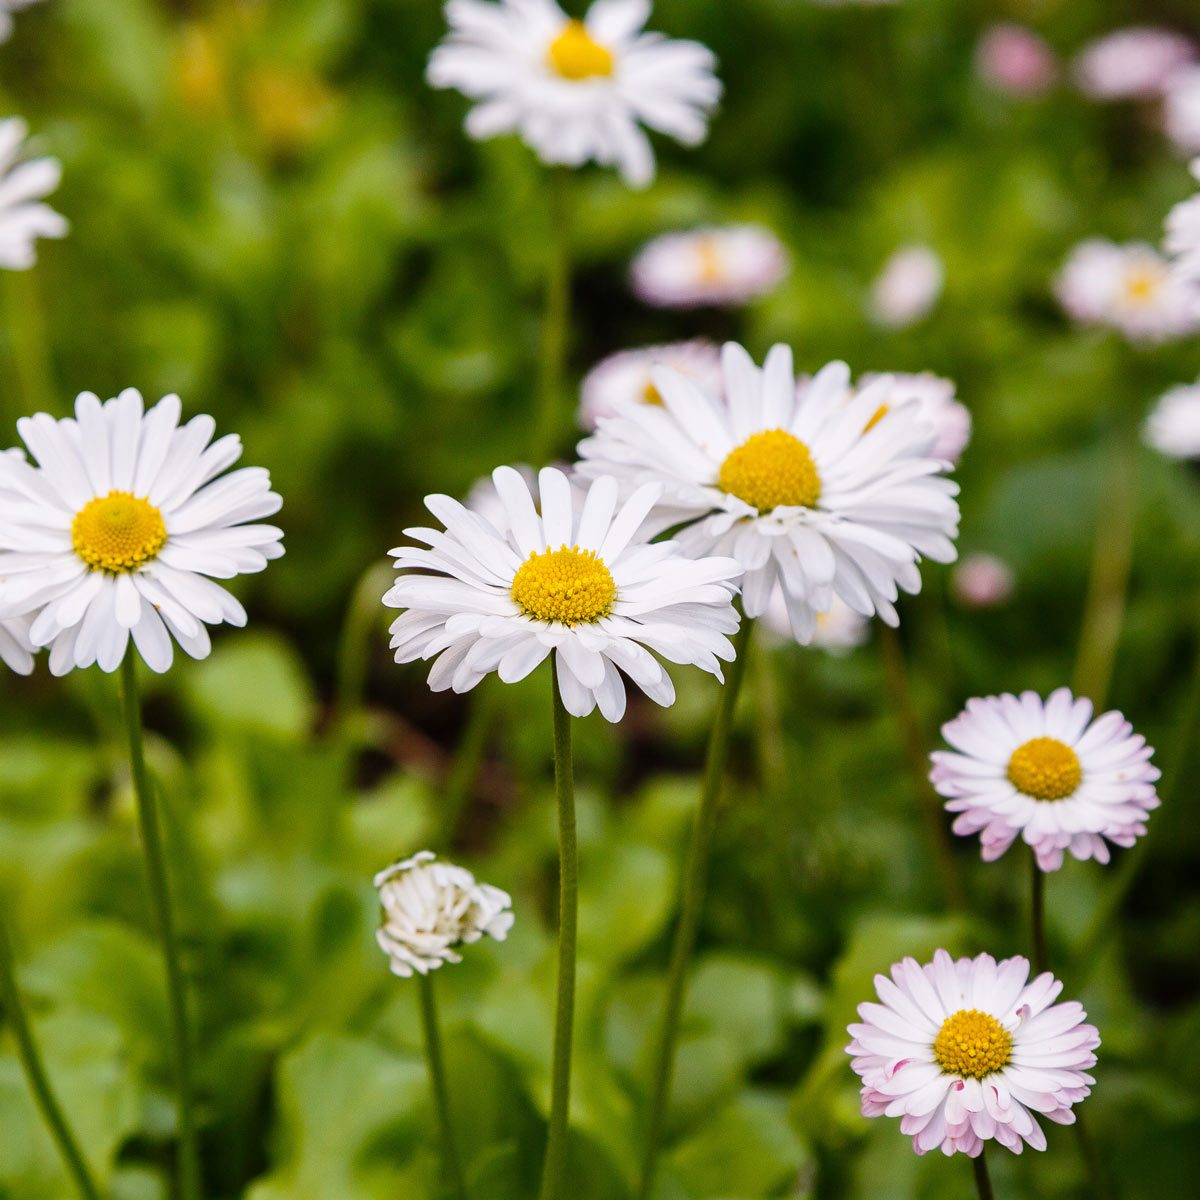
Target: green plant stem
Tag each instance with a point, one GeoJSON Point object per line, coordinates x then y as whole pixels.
{"type": "Point", "coordinates": [556, 318]}
{"type": "Point", "coordinates": [554, 1169]}
{"type": "Point", "coordinates": [160, 896]}
{"type": "Point", "coordinates": [484, 710]}
{"type": "Point", "coordinates": [983, 1181]}
{"type": "Point", "coordinates": [455, 1181]}
{"type": "Point", "coordinates": [691, 905]}
{"type": "Point", "coordinates": [35, 1072]}
{"type": "Point", "coordinates": [917, 752]}
{"type": "Point", "coordinates": [1037, 913]}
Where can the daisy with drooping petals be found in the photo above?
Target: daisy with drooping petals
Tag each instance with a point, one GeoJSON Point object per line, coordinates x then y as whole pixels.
{"type": "Point", "coordinates": [572, 580]}
{"type": "Point", "coordinates": [717, 266]}
{"type": "Point", "coordinates": [576, 91]}
{"type": "Point", "coordinates": [629, 375]}
{"type": "Point", "coordinates": [1131, 63]}
{"type": "Point", "coordinates": [113, 531]}
{"type": "Point", "coordinates": [971, 1050]}
{"type": "Point", "coordinates": [1048, 773]}
{"type": "Point", "coordinates": [796, 488]}
{"type": "Point", "coordinates": [24, 185]}
{"type": "Point", "coordinates": [1173, 426]}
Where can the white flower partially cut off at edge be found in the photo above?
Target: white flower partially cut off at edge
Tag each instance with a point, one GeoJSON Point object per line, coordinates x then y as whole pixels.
{"type": "Point", "coordinates": [718, 266]}
{"type": "Point", "coordinates": [971, 1050]}
{"type": "Point", "coordinates": [629, 376]}
{"type": "Point", "coordinates": [576, 91]}
{"type": "Point", "coordinates": [1130, 64]}
{"type": "Point", "coordinates": [575, 580]}
{"type": "Point", "coordinates": [1181, 110]}
{"type": "Point", "coordinates": [7, 8]}
{"type": "Point", "coordinates": [1182, 240]}
{"type": "Point", "coordinates": [796, 488]}
{"type": "Point", "coordinates": [24, 184]}
{"type": "Point", "coordinates": [1046, 772]}
{"type": "Point", "coordinates": [1173, 426]}
{"type": "Point", "coordinates": [430, 908]}
{"type": "Point", "coordinates": [907, 288]}
{"type": "Point", "coordinates": [113, 530]}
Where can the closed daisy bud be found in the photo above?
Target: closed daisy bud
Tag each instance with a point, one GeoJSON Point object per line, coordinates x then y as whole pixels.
{"type": "Point", "coordinates": [1173, 427]}
{"type": "Point", "coordinates": [717, 267]}
{"type": "Point", "coordinates": [971, 1050]}
{"type": "Point", "coordinates": [24, 185]}
{"type": "Point", "coordinates": [431, 908]}
{"type": "Point", "coordinates": [1046, 772]}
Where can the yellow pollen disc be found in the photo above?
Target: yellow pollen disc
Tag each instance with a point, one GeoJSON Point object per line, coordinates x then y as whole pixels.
{"type": "Point", "coordinates": [972, 1043]}
{"type": "Point", "coordinates": [575, 54]}
{"type": "Point", "coordinates": [879, 414]}
{"type": "Point", "coordinates": [1143, 283]}
{"type": "Point", "coordinates": [769, 469]}
{"type": "Point", "coordinates": [651, 394]}
{"type": "Point", "coordinates": [568, 585]}
{"type": "Point", "coordinates": [712, 266]}
{"type": "Point", "coordinates": [1045, 769]}
{"type": "Point", "coordinates": [117, 533]}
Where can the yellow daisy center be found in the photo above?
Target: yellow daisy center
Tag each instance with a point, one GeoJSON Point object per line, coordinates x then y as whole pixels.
{"type": "Point", "coordinates": [769, 469]}
{"type": "Point", "coordinates": [879, 414]}
{"type": "Point", "coordinates": [972, 1043]}
{"type": "Point", "coordinates": [575, 54]}
{"type": "Point", "coordinates": [1045, 769]}
{"type": "Point", "coordinates": [1142, 283]}
{"type": "Point", "coordinates": [651, 394]}
{"type": "Point", "coordinates": [117, 533]}
{"type": "Point", "coordinates": [568, 585]}
{"type": "Point", "coordinates": [712, 265]}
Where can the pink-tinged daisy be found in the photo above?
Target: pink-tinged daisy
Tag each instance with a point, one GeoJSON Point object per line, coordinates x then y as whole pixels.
{"type": "Point", "coordinates": [717, 266]}
{"type": "Point", "coordinates": [971, 1050]}
{"type": "Point", "coordinates": [1181, 110]}
{"type": "Point", "coordinates": [1132, 63]}
{"type": "Point", "coordinates": [982, 581]}
{"type": "Point", "coordinates": [907, 288]}
{"type": "Point", "coordinates": [1046, 772]}
{"type": "Point", "coordinates": [121, 527]}
{"type": "Point", "coordinates": [629, 376]}
{"type": "Point", "coordinates": [1015, 60]}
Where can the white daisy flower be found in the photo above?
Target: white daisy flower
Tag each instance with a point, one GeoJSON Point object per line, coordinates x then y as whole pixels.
{"type": "Point", "coordinates": [23, 186]}
{"type": "Point", "coordinates": [1131, 63]}
{"type": "Point", "coordinates": [628, 376]}
{"type": "Point", "coordinates": [839, 630]}
{"type": "Point", "coordinates": [982, 581]}
{"type": "Point", "coordinates": [794, 487]}
{"type": "Point", "coordinates": [1182, 239]}
{"type": "Point", "coordinates": [935, 400]}
{"type": "Point", "coordinates": [575, 579]}
{"type": "Point", "coordinates": [7, 8]}
{"type": "Point", "coordinates": [1045, 771]}
{"type": "Point", "coordinates": [430, 908]}
{"type": "Point", "coordinates": [1129, 288]}
{"type": "Point", "coordinates": [971, 1050]}
{"type": "Point", "coordinates": [112, 533]}
{"type": "Point", "coordinates": [717, 266]}
{"type": "Point", "coordinates": [1181, 110]}
{"type": "Point", "coordinates": [576, 91]}
{"type": "Point", "coordinates": [907, 288]}
{"type": "Point", "coordinates": [1173, 427]}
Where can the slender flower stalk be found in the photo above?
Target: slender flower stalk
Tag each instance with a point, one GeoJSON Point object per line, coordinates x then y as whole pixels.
{"type": "Point", "coordinates": [564, 1017]}
{"type": "Point", "coordinates": [983, 1181]}
{"type": "Point", "coordinates": [164, 918]}
{"type": "Point", "coordinates": [15, 1017]}
{"type": "Point", "coordinates": [437, 1078]}
{"type": "Point", "coordinates": [690, 907]}
{"type": "Point", "coordinates": [556, 317]}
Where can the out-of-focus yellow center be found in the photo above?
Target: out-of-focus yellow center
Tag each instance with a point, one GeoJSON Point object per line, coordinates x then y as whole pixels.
{"type": "Point", "coordinates": [567, 585]}
{"type": "Point", "coordinates": [769, 469]}
{"type": "Point", "coordinates": [117, 533]}
{"type": "Point", "coordinates": [877, 416]}
{"type": "Point", "coordinates": [651, 394]}
{"type": "Point", "coordinates": [712, 264]}
{"type": "Point", "coordinates": [972, 1043]}
{"type": "Point", "coordinates": [1045, 769]}
{"type": "Point", "coordinates": [575, 54]}
{"type": "Point", "coordinates": [1142, 283]}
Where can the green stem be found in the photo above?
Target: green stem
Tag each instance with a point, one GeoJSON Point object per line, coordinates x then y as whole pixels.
{"type": "Point", "coordinates": [983, 1181]}
{"type": "Point", "coordinates": [691, 905]}
{"type": "Point", "coordinates": [1037, 913]}
{"type": "Point", "coordinates": [160, 896]}
{"type": "Point", "coordinates": [437, 1079]}
{"type": "Point", "coordinates": [35, 1071]}
{"type": "Point", "coordinates": [556, 319]}
{"type": "Point", "coordinates": [936, 831]}
{"type": "Point", "coordinates": [481, 720]}
{"type": "Point", "coordinates": [554, 1169]}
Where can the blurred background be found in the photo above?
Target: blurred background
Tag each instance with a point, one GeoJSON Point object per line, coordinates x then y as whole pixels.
{"type": "Point", "coordinates": [274, 216]}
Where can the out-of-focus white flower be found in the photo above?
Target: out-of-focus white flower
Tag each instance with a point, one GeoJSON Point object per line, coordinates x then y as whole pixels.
{"type": "Point", "coordinates": [576, 91]}
{"type": "Point", "coordinates": [968, 1051]}
{"type": "Point", "coordinates": [718, 266]}
{"type": "Point", "coordinates": [839, 630]}
{"type": "Point", "coordinates": [1048, 773]}
{"type": "Point", "coordinates": [1181, 110]}
{"type": "Point", "coordinates": [982, 581]}
{"type": "Point", "coordinates": [1173, 427]}
{"type": "Point", "coordinates": [1129, 288]}
{"type": "Point", "coordinates": [628, 376]}
{"type": "Point", "coordinates": [1013, 59]}
{"type": "Point", "coordinates": [1183, 234]}
{"type": "Point", "coordinates": [431, 908]}
{"type": "Point", "coordinates": [7, 8]}
{"type": "Point", "coordinates": [23, 186]}
{"type": "Point", "coordinates": [908, 287]}
{"type": "Point", "coordinates": [935, 402]}
{"type": "Point", "coordinates": [1132, 63]}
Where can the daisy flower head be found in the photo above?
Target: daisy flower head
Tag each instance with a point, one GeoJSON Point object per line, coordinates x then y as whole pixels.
{"type": "Point", "coordinates": [1045, 771]}
{"type": "Point", "coordinates": [907, 288]}
{"type": "Point", "coordinates": [839, 630]}
{"type": "Point", "coordinates": [1173, 427]}
{"type": "Point", "coordinates": [1128, 288]}
{"type": "Point", "coordinates": [1181, 110]}
{"type": "Point", "coordinates": [715, 266]}
{"type": "Point", "coordinates": [119, 526]}
{"type": "Point", "coordinates": [24, 185]}
{"type": "Point", "coordinates": [7, 8]}
{"type": "Point", "coordinates": [576, 91]}
{"type": "Point", "coordinates": [575, 578]}
{"type": "Point", "coordinates": [1132, 63]}
{"type": "Point", "coordinates": [794, 486]}
{"type": "Point", "coordinates": [629, 376]}
{"type": "Point", "coordinates": [936, 402]}
{"type": "Point", "coordinates": [970, 1050]}
{"type": "Point", "coordinates": [430, 908]}
{"type": "Point", "coordinates": [1182, 239]}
